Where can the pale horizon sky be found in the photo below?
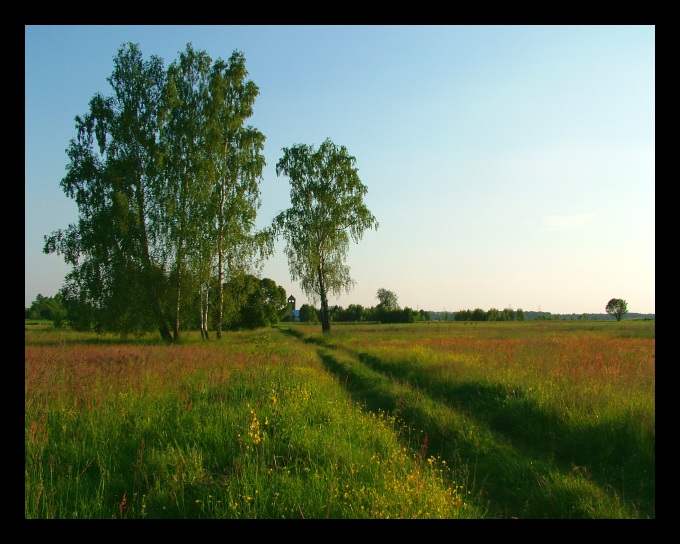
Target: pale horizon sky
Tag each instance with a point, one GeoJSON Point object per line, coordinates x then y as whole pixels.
{"type": "Point", "coordinates": [507, 166]}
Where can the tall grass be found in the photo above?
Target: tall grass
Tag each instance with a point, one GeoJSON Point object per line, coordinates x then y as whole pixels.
{"type": "Point", "coordinates": [440, 420]}
{"type": "Point", "coordinates": [251, 427]}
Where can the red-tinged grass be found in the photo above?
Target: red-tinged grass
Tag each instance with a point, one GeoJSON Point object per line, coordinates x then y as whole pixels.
{"type": "Point", "coordinates": [249, 427]}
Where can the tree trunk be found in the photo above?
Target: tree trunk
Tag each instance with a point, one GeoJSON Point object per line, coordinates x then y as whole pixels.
{"type": "Point", "coordinates": [152, 292]}
{"type": "Point", "coordinates": [325, 314]}
{"type": "Point", "coordinates": [220, 288]}
{"type": "Point", "coordinates": [205, 305]}
{"type": "Point", "coordinates": [178, 294]}
{"type": "Point", "coordinates": [151, 287]}
{"type": "Point", "coordinates": [180, 251]}
{"type": "Point", "coordinates": [163, 327]}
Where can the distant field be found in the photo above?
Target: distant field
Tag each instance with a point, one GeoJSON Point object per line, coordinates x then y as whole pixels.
{"type": "Point", "coordinates": [537, 419]}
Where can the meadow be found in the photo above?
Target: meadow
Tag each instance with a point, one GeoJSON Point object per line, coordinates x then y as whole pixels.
{"type": "Point", "coordinates": [537, 419]}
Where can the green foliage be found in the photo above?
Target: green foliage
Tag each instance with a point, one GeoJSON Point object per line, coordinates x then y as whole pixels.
{"type": "Point", "coordinates": [81, 315]}
{"type": "Point", "coordinates": [405, 315]}
{"type": "Point", "coordinates": [355, 312]}
{"type": "Point", "coordinates": [48, 308]}
{"type": "Point", "coordinates": [493, 314]}
{"type": "Point", "coordinates": [114, 175]}
{"type": "Point", "coordinates": [327, 211]}
{"type": "Point", "coordinates": [508, 314]}
{"type": "Point", "coordinates": [251, 303]}
{"type": "Point", "coordinates": [478, 315]}
{"type": "Point", "coordinates": [214, 167]}
{"type": "Point", "coordinates": [309, 314]}
{"type": "Point", "coordinates": [464, 315]}
{"type": "Point", "coordinates": [617, 307]}
{"type": "Point", "coordinates": [238, 165]}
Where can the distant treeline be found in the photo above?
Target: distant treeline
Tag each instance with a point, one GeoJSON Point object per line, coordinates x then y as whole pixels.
{"type": "Point", "coordinates": [586, 316]}
{"type": "Point", "coordinates": [356, 312]}
{"type": "Point", "coordinates": [530, 316]}
{"type": "Point", "coordinates": [52, 309]}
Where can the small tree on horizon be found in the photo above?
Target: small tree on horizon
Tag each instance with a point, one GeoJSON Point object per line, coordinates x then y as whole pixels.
{"type": "Point", "coordinates": [388, 300]}
{"type": "Point", "coordinates": [617, 307]}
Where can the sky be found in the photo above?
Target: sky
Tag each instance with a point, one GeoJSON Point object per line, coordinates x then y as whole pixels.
{"type": "Point", "coordinates": [507, 166]}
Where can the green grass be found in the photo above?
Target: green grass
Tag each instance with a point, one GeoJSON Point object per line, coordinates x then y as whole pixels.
{"type": "Point", "coordinates": [439, 420]}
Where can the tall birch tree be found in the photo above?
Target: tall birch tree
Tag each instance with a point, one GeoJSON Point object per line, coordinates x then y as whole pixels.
{"type": "Point", "coordinates": [327, 212]}
{"type": "Point", "coordinates": [187, 168]}
{"type": "Point", "coordinates": [236, 152]}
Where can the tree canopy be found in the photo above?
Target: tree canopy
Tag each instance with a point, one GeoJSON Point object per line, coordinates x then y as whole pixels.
{"type": "Point", "coordinates": [327, 211]}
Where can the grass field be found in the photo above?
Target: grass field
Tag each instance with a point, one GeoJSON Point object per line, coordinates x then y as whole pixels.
{"type": "Point", "coordinates": [541, 419]}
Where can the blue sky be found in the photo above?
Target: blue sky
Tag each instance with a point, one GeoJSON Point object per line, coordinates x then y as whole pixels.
{"type": "Point", "coordinates": [507, 166]}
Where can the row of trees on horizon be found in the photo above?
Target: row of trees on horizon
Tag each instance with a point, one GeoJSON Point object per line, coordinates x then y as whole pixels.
{"type": "Point", "coordinates": [252, 302]}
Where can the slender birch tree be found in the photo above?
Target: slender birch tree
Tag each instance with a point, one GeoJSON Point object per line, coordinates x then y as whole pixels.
{"type": "Point", "coordinates": [236, 153]}
{"type": "Point", "coordinates": [327, 211]}
{"type": "Point", "coordinates": [187, 168]}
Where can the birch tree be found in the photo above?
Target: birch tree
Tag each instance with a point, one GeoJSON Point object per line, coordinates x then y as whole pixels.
{"type": "Point", "coordinates": [236, 151]}
{"type": "Point", "coordinates": [187, 169]}
{"type": "Point", "coordinates": [327, 212]}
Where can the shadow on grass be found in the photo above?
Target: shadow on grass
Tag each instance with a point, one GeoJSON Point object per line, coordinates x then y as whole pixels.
{"type": "Point", "coordinates": [517, 418]}
{"type": "Point", "coordinates": [518, 446]}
